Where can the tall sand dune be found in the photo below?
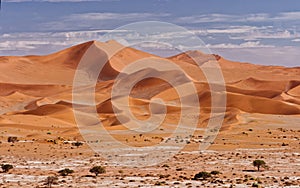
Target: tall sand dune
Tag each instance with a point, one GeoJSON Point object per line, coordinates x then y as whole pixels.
{"type": "Point", "coordinates": [41, 86]}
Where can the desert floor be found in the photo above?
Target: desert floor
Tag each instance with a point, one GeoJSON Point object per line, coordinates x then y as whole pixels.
{"type": "Point", "coordinates": [272, 138]}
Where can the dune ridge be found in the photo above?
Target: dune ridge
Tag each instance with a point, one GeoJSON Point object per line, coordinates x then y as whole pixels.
{"type": "Point", "coordinates": [41, 86]}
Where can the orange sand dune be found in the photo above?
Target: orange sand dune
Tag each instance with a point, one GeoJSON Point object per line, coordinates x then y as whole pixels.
{"type": "Point", "coordinates": [46, 110]}
{"type": "Point", "coordinates": [295, 92]}
{"type": "Point", "coordinates": [32, 90]}
{"type": "Point", "coordinates": [261, 105]}
{"type": "Point", "coordinates": [253, 83]}
{"type": "Point", "coordinates": [36, 87]}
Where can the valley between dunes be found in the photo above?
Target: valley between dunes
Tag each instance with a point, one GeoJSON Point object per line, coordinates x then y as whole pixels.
{"type": "Point", "coordinates": [261, 118]}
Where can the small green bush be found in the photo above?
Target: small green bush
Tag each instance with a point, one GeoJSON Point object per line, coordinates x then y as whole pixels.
{"type": "Point", "coordinates": [202, 175]}
{"type": "Point", "coordinates": [215, 172]}
{"type": "Point", "coordinates": [12, 139]}
{"type": "Point", "coordinates": [50, 180]}
{"type": "Point", "coordinates": [97, 170]}
{"type": "Point", "coordinates": [259, 163]}
{"type": "Point", "coordinates": [6, 167]}
{"type": "Point", "coordinates": [77, 144]}
{"type": "Point", "coordinates": [65, 172]}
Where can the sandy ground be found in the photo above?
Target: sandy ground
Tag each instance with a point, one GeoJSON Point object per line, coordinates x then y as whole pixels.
{"type": "Point", "coordinates": [232, 154]}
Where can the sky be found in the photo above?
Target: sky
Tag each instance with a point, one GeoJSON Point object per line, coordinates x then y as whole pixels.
{"type": "Point", "coordinates": [261, 32]}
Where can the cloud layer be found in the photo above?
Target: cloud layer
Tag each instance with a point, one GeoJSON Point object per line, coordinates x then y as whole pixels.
{"type": "Point", "coordinates": [222, 32]}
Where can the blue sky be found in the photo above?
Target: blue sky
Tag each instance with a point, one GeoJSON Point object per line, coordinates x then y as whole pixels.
{"type": "Point", "coordinates": [256, 31]}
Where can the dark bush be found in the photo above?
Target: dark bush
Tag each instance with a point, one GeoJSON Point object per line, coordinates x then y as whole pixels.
{"type": "Point", "coordinates": [12, 139]}
{"type": "Point", "coordinates": [65, 172]}
{"type": "Point", "coordinates": [77, 144]}
{"type": "Point", "coordinates": [202, 175]}
{"type": "Point", "coordinates": [215, 172]}
{"type": "Point", "coordinates": [6, 167]}
{"type": "Point", "coordinates": [259, 163]}
{"type": "Point", "coordinates": [50, 180]}
{"type": "Point", "coordinates": [97, 170]}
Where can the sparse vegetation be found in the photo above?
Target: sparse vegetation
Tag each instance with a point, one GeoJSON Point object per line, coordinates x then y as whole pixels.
{"type": "Point", "coordinates": [259, 163]}
{"type": "Point", "coordinates": [215, 172]}
{"type": "Point", "coordinates": [50, 180]}
{"type": "Point", "coordinates": [161, 176]}
{"type": "Point", "coordinates": [65, 172]}
{"type": "Point", "coordinates": [6, 167]}
{"type": "Point", "coordinates": [97, 170]}
{"type": "Point", "coordinates": [202, 175]}
{"type": "Point", "coordinates": [12, 139]}
{"type": "Point", "coordinates": [77, 144]}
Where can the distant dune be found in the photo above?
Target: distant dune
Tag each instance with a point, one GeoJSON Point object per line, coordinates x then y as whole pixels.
{"type": "Point", "coordinates": [41, 86]}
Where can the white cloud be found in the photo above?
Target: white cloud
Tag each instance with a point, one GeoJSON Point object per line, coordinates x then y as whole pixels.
{"type": "Point", "coordinates": [288, 16]}
{"type": "Point", "coordinates": [153, 45]}
{"type": "Point", "coordinates": [25, 45]}
{"type": "Point", "coordinates": [254, 17]}
{"type": "Point", "coordinates": [233, 30]}
{"type": "Point", "coordinates": [266, 34]}
{"type": "Point", "coordinates": [94, 20]}
{"type": "Point", "coordinates": [227, 30]}
{"type": "Point", "coordinates": [285, 56]}
{"type": "Point", "coordinates": [250, 33]}
{"type": "Point", "coordinates": [111, 16]}
{"type": "Point", "coordinates": [259, 17]}
{"type": "Point", "coordinates": [41, 43]}
{"type": "Point", "coordinates": [207, 18]}
{"type": "Point", "coordinates": [249, 44]}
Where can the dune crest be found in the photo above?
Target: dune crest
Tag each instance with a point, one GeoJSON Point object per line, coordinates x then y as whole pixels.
{"type": "Point", "coordinates": [42, 85]}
